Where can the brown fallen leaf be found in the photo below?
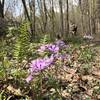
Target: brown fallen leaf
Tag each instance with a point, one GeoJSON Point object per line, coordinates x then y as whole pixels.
{"type": "Point", "coordinates": [98, 97]}
{"type": "Point", "coordinates": [71, 71]}
{"type": "Point", "coordinates": [68, 77]}
{"type": "Point", "coordinates": [96, 73]}
{"type": "Point", "coordinates": [65, 93]}
{"type": "Point", "coordinates": [13, 90]}
{"type": "Point", "coordinates": [75, 78]}
{"type": "Point", "coordinates": [87, 77]}
{"type": "Point", "coordinates": [82, 88]}
{"type": "Point", "coordinates": [90, 92]}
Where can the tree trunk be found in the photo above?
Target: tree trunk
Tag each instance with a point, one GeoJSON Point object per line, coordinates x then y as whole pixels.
{"type": "Point", "coordinates": [67, 19]}
{"type": "Point", "coordinates": [89, 18]}
{"type": "Point", "coordinates": [93, 17]}
{"type": "Point", "coordinates": [28, 17]}
{"type": "Point", "coordinates": [26, 11]}
{"type": "Point", "coordinates": [39, 2]}
{"type": "Point", "coordinates": [32, 16]}
{"type": "Point", "coordinates": [45, 17]}
{"type": "Point", "coordinates": [61, 18]}
{"type": "Point", "coordinates": [73, 13]}
{"type": "Point", "coordinates": [98, 14]}
{"type": "Point", "coordinates": [2, 8]}
{"type": "Point", "coordinates": [52, 20]}
{"type": "Point", "coordinates": [85, 16]}
{"type": "Point", "coordinates": [81, 10]}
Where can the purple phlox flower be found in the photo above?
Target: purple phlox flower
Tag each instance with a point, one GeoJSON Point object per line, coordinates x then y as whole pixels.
{"type": "Point", "coordinates": [42, 48]}
{"type": "Point", "coordinates": [48, 60]}
{"type": "Point", "coordinates": [29, 78]}
{"type": "Point", "coordinates": [62, 56]}
{"type": "Point", "coordinates": [32, 66]}
{"type": "Point", "coordinates": [50, 47]}
{"type": "Point", "coordinates": [56, 55]}
{"type": "Point", "coordinates": [53, 48]}
{"type": "Point", "coordinates": [60, 43]}
{"type": "Point", "coordinates": [39, 64]}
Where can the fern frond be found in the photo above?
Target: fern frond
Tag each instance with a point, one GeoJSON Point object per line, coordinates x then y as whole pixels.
{"type": "Point", "coordinates": [22, 42]}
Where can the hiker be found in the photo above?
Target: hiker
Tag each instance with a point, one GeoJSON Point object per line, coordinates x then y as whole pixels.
{"type": "Point", "coordinates": [74, 29]}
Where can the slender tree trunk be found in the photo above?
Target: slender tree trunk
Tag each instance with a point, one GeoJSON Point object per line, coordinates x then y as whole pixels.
{"type": "Point", "coordinates": [29, 19]}
{"type": "Point", "coordinates": [39, 2]}
{"type": "Point", "coordinates": [45, 17]}
{"type": "Point", "coordinates": [89, 18]}
{"type": "Point", "coordinates": [67, 18]}
{"type": "Point", "coordinates": [73, 12]}
{"type": "Point", "coordinates": [61, 18]}
{"type": "Point", "coordinates": [98, 14]}
{"type": "Point", "coordinates": [82, 17]}
{"type": "Point", "coordinates": [86, 13]}
{"type": "Point", "coordinates": [52, 20]}
{"type": "Point", "coordinates": [26, 11]}
{"type": "Point", "coordinates": [2, 8]}
{"type": "Point", "coordinates": [52, 17]}
{"type": "Point", "coordinates": [93, 17]}
{"type": "Point", "coordinates": [32, 15]}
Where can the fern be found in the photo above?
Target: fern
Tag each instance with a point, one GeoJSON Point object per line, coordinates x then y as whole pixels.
{"type": "Point", "coordinates": [22, 42]}
{"type": "Point", "coordinates": [45, 39]}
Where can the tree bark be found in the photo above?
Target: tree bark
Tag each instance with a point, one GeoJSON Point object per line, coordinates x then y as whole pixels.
{"type": "Point", "coordinates": [61, 18]}
{"type": "Point", "coordinates": [45, 17]}
{"type": "Point", "coordinates": [52, 20]}
{"type": "Point", "coordinates": [89, 18]}
{"type": "Point", "coordinates": [67, 18]}
{"type": "Point", "coordinates": [2, 8]}
{"type": "Point", "coordinates": [32, 16]}
{"type": "Point", "coordinates": [26, 11]}
{"type": "Point", "coordinates": [98, 14]}
{"type": "Point", "coordinates": [82, 17]}
{"type": "Point", "coordinates": [29, 19]}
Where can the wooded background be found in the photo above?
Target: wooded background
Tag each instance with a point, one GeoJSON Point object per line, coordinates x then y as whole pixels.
{"type": "Point", "coordinates": [52, 16]}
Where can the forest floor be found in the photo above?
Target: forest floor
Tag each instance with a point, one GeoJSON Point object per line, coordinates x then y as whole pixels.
{"type": "Point", "coordinates": [78, 80]}
{"type": "Point", "coordinates": [91, 82]}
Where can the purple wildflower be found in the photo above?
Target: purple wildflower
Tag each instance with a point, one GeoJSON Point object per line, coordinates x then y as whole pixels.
{"type": "Point", "coordinates": [60, 43]}
{"type": "Point", "coordinates": [48, 60]}
{"type": "Point", "coordinates": [42, 48]}
{"type": "Point", "coordinates": [29, 78]}
{"type": "Point", "coordinates": [53, 48]}
{"type": "Point", "coordinates": [39, 64]}
{"type": "Point", "coordinates": [50, 47]}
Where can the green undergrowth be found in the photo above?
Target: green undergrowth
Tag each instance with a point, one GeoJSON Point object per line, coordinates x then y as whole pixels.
{"type": "Point", "coordinates": [55, 83]}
